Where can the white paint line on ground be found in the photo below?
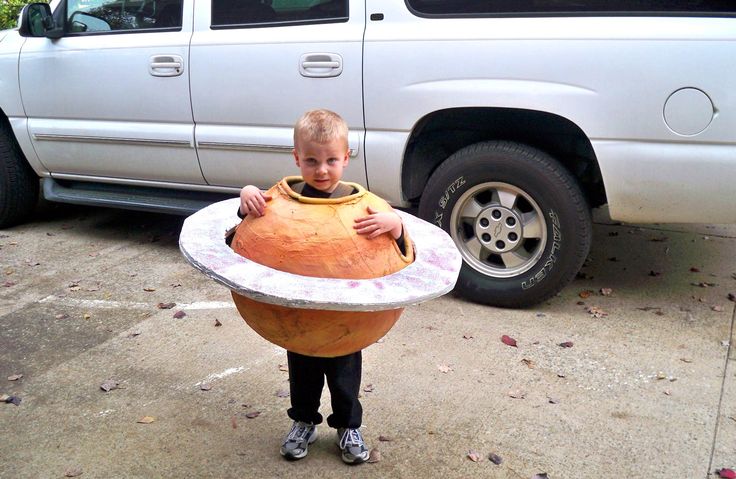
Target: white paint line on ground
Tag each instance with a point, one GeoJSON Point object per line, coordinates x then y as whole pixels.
{"type": "Point", "coordinates": [105, 304]}
{"type": "Point", "coordinates": [277, 350]}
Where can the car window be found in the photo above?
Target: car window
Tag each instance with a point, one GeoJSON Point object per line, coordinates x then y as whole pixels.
{"type": "Point", "coordinates": [237, 13]}
{"type": "Point", "coordinates": [98, 16]}
{"type": "Point", "coordinates": [574, 7]}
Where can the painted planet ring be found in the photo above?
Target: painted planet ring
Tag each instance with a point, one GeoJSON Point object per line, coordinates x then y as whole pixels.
{"type": "Point", "coordinates": [433, 273]}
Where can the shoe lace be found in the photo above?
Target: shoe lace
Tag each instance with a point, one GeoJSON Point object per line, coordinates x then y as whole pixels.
{"type": "Point", "coordinates": [350, 438]}
{"type": "Point", "coordinates": [298, 432]}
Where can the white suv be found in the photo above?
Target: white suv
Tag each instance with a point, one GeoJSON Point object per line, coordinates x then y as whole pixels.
{"type": "Point", "coordinates": [502, 121]}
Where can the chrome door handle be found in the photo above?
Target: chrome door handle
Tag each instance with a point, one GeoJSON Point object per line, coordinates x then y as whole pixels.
{"type": "Point", "coordinates": [166, 65]}
{"type": "Point", "coordinates": [320, 65]}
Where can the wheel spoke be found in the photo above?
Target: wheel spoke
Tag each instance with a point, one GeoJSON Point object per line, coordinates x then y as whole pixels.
{"type": "Point", "coordinates": [507, 198]}
{"type": "Point", "coordinates": [532, 224]}
{"type": "Point", "coordinates": [512, 259]}
{"type": "Point", "coordinates": [471, 210]}
{"type": "Point", "coordinates": [474, 247]}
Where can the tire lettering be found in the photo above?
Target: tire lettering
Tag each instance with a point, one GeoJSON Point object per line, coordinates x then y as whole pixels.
{"type": "Point", "coordinates": [450, 190]}
{"type": "Point", "coordinates": [552, 258]}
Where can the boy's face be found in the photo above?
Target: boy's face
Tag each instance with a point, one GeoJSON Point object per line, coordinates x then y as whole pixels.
{"type": "Point", "coordinates": [321, 164]}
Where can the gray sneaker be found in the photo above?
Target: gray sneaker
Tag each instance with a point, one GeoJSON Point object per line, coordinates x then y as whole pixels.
{"type": "Point", "coordinates": [352, 446]}
{"type": "Point", "coordinates": [295, 445]}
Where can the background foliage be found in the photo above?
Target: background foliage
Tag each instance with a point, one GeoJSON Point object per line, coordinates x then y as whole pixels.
{"type": "Point", "coordinates": [9, 10]}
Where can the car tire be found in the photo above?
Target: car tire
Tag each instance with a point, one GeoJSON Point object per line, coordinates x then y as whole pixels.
{"type": "Point", "coordinates": [18, 182]}
{"type": "Point", "coordinates": [518, 218]}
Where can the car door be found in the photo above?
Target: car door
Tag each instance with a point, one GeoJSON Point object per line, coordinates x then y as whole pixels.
{"type": "Point", "coordinates": [257, 66]}
{"type": "Point", "coordinates": [110, 99]}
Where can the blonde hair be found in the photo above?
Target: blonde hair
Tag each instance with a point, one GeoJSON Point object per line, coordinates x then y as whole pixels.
{"type": "Point", "coordinates": [320, 126]}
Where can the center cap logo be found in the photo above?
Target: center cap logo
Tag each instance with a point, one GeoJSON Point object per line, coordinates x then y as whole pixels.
{"type": "Point", "coordinates": [497, 230]}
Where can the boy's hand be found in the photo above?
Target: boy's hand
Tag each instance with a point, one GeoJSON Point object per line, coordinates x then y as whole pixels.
{"type": "Point", "coordinates": [377, 223]}
{"type": "Point", "coordinates": [253, 201]}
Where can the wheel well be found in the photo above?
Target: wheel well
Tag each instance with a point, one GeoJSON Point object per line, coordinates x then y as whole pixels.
{"type": "Point", "coordinates": [442, 133]}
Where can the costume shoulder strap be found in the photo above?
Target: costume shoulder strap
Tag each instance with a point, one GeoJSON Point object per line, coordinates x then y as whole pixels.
{"type": "Point", "coordinates": [342, 190]}
{"type": "Point", "coordinates": [297, 187]}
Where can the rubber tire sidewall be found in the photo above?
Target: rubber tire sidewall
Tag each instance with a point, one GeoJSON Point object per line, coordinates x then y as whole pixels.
{"type": "Point", "coordinates": [19, 184]}
{"type": "Point", "coordinates": [566, 215]}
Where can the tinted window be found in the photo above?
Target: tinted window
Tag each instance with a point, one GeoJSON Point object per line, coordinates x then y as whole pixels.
{"type": "Point", "coordinates": [95, 16]}
{"type": "Point", "coordinates": [259, 12]}
{"type": "Point", "coordinates": [591, 7]}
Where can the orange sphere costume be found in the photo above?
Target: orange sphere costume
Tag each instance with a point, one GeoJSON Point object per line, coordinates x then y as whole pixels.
{"type": "Point", "coordinates": [315, 237]}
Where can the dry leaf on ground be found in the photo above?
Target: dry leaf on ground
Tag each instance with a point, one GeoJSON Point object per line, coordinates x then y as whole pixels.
{"type": "Point", "coordinates": [384, 438]}
{"type": "Point", "coordinates": [508, 341]}
{"type": "Point", "coordinates": [528, 362]}
{"type": "Point", "coordinates": [517, 394]}
{"type": "Point", "coordinates": [179, 314]}
{"type": "Point", "coordinates": [205, 387]}
{"type": "Point", "coordinates": [368, 388]}
{"type": "Point", "coordinates": [444, 368]}
{"type": "Point", "coordinates": [165, 305]}
{"type": "Point", "coordinates": [473, 456]}
{"type": "Point", "coordinates": [717, 308]}
{"type": "Point", "coordinates": [586, 293]}
{"type": "Point", "coordinates": [217, 322]}
{"type": "Point", "coordinates": [726, 473]}
{"type": "Point", "coordinates": [495, 458]}
{"type": "Point", "coordinates": [596, 312]}
{"type": "Point", "coordinates": [283, 367]}
{"type": "Point", "coordinates": [149, 290]}
{"type": "Point", "coordinates": [109, 385]}
{"type": "Point", "coordinates": [606, 291]}
{"type": "Point", "coordinates": [374, 456]}
{"type": "Point", "coordinates": [282, 393]}
{"type": "Point", "coordinates": [252, 414]}
{"type": "Point", "coordinates": [146, 420]}
{"type": "Point", "coordinates": [15, 377]}
{"type": "Point", "coordinates": [73, 471]}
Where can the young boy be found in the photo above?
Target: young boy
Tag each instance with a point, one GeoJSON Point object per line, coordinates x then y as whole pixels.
{"type": "Point", "coordinates": [321, 153]}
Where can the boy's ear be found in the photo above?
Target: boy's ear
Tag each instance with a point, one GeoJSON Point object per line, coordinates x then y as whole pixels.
{"type": "Point", "coordinates": [296, 156]}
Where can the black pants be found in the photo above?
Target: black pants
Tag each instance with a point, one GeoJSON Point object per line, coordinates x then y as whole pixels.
{"type": "Point", "coordinates": [307, 378]}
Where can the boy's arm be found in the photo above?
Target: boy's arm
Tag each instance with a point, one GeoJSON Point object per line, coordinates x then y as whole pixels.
{"type": "Point", "coordinates": [252, 201]}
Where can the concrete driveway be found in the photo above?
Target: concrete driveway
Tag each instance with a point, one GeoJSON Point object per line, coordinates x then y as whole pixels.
{"type": "Point", "coordinates": [646, 390]}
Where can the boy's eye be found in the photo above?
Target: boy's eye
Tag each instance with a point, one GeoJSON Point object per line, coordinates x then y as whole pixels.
{"type": "Point", "coordinates": [332, 161]}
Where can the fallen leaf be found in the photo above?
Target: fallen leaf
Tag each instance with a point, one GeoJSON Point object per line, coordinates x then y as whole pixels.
{"type": "Point", "coordinates": [282, 393]}
{"type": "Point", "coordinates": [444, 368]}
{"type": "Point", "coordinates": [165, 305]}
{"type": "Point", "coordinates": [61, 316]}
{"type": "Point", "coordinates": [283, 367]}
{"type": "Point", "coordinates": [473, 456]}
{"type": "Point", "coordinates": [252, 414]}
{"type": "Point", "coordinates": [580, 303]}
{"type": "Point", "coordinates": [467, 336]}
{"type": "Point", "coordinates": [146, 420]}
{"type": "Point", "coordinates": [73, 471]}
{"type": "Point", "coordinates": [368, 388]}
{"type": "Point", "coordinates": [217, 322]}
{"type": "Point", "coordinates": [517, 394]}
{"type": "Point", "coordinates": [149, 290]}
{"type": "Point", "coordinates": [15, 377]}
{"type": "Point", "coordinates": [87, 316]}
{"type": "Point", "coordinates": [655, 273]}
{"type": "Point", "coordinates": [659, 239]}
{"type": "Point", "coordinates": [384, 439]}
{"type": "Point", "coordinates": [667, 392]}
{"type": "Point", "coordinates": [704, 284]}
{"type": "Point", "coordinates": [717, 308]}
{"type": "Point", "coordinates": [566, 344]}
{"type": "Point", "coordinates": [552, 400]}
{"type": "Point", "coordinates": [8, 284]}
{"type": "Point", "coordinates": [13, 400]}
{"type": "Point", "coordinates": [541, 475]}
{"type": "Point", "coordinates": [495, 458]}
{"type": "Point", "coordinates": [205, 387]}
{"type": "Point", "coordinates": [528, 362]}
{"type": "Point", "coordinates": [508, 340]}
{"type": "Point", "coordinates": [234, 422]}
{"type": "Point", "coordinates": [586, 293]}
{"type": "Point", "coordinates": [725, 342]}
{"type": "Point", "coordinates": [596, 312]}
{"type": "Point", "coordinates": [726, 473]}
{"type": "Point", "coordinates": [134, 334]}
{"type": "Point", "coordinates": [374, 456]}
{"type": "Point", "coordinates": [606, 291]}
{"type": "Point", "coordinates": [731, 297]}
{"type": "Point", "coordinates": [694, 270]}
{"type": "Point", "coordinates": [661, 375]}
{"type": "Point", "coordinates": [686, 360]}
{"type": "Point", "coordinates": [109, 385]}
{"type": "Point", "coordinates": [179, 314]}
